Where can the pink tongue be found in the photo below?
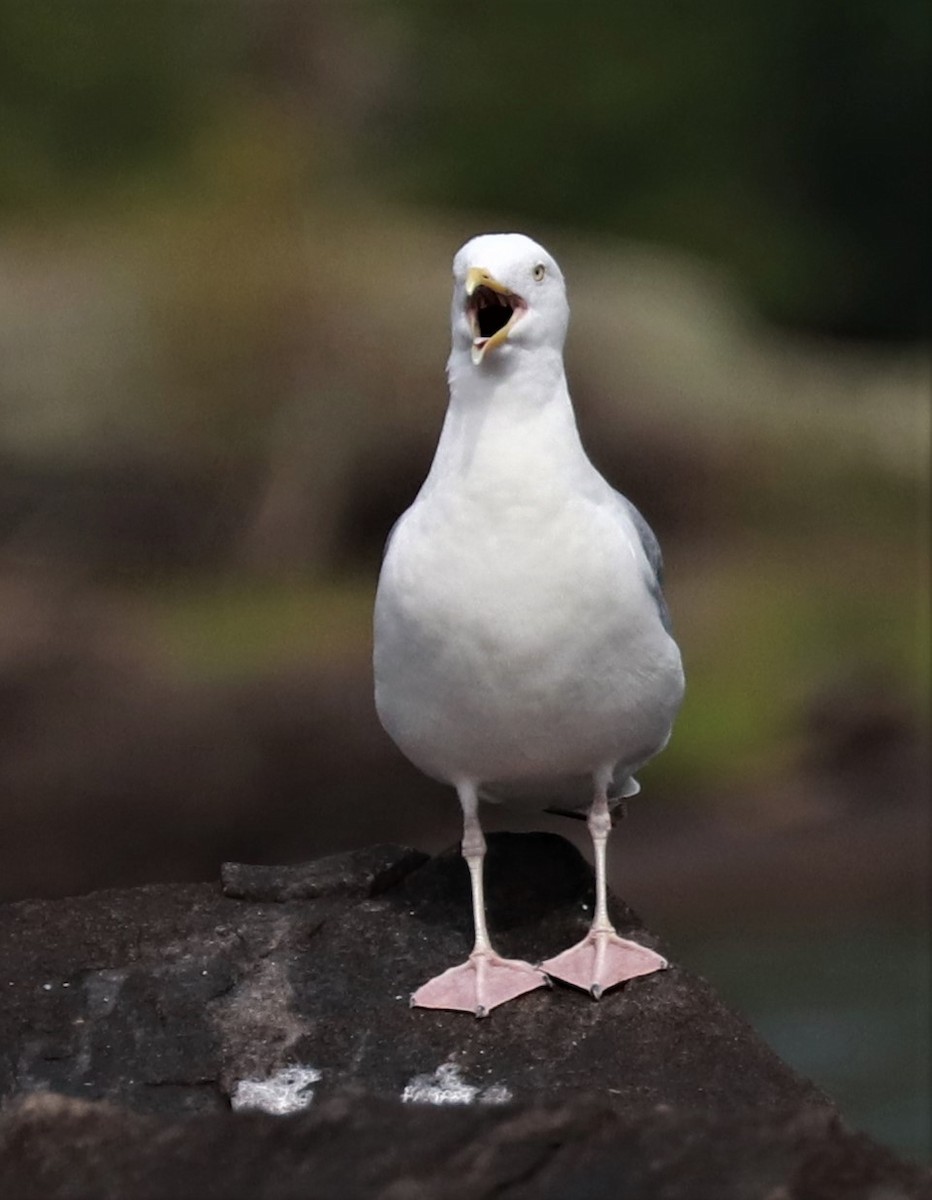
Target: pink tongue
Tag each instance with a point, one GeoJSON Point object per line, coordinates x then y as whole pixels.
{"type": "Point", "coordinates": [478, 349]}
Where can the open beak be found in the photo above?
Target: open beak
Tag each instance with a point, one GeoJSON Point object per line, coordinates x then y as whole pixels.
{"type": "Point", "coordinates": [492, 311]}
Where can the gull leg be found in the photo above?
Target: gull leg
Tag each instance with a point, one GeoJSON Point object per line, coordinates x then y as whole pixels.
{"type": "Point", "coordinates": [486, 979]}
{"type": "Point", "coordinates": [602, 959]}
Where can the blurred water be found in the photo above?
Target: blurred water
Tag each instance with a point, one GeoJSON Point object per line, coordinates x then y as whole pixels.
{"type": "Point", "coordinates": [848, 1006]}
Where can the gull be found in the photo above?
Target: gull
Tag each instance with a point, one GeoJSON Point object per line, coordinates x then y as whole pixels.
{"type": "Point", "coordinates": [523, 651]}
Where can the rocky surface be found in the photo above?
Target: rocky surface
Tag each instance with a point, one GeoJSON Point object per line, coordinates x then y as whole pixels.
{"type": "Point", "coordinates": [357, 1147]}
{"type": "Point", "coordinates": [286, 989]}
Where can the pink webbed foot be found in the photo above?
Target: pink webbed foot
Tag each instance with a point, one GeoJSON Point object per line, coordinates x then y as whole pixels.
{"type": "Point", "coordinates": [480, 984]}
{"type": "Point", "coordinates": [601, 961]}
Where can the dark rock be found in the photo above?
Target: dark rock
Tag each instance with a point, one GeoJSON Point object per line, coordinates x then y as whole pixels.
{"type": "Point", "coordinates": [363, 873]}
{"type": "Point", "coordinates": [356, 1147]}
{"type": "Point", "coordinates": [179, 1000]}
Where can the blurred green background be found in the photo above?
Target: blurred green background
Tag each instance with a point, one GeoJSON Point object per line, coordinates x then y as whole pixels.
{"type": "Point", "coordinates": [225, 237]}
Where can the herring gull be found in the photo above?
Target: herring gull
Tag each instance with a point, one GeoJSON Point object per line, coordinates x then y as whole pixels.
{"type": "Point", "coordinates": [523, 650]}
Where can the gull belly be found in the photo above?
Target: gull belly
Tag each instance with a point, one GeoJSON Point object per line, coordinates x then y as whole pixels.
{"type": "Point", "coordinates": [520, 648]}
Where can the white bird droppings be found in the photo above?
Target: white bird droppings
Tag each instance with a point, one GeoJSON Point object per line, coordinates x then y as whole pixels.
{"type": "Point", "coordinates": [287, 1091]}
{"type": "Point", "coordinates": [498, 1093]}
{"type": "Point", "coordinates": [447, 1086]}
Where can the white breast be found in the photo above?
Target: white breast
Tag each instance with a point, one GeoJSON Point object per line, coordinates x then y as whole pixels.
{"type": "Point", "coordinates": [516, 638]}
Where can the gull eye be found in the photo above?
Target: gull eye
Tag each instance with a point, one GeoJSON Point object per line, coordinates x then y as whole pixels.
{"type": "Point", "coordinates": [539, 272]}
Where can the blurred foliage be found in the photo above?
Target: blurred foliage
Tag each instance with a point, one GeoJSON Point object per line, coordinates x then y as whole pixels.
{"type": "Point", "coordinates": [785, 140]}
{"type": "Point", "coordinates": [237, 629]}
{"type": "Point", "coordinates": [91, 91]}
{"type": "Point", "coordinates": [795, 614]}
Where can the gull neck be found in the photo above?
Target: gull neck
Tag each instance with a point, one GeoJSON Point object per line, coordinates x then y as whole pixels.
{"type": "Point", "coordinates": [511, 420]}
{"type": "Point", "coordinates": [523, 377]}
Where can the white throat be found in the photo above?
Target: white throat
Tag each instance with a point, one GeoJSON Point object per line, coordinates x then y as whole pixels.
{"type": "Point", "coordinates": [509, 425]}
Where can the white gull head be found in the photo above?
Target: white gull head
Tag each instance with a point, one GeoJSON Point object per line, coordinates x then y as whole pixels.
{"type": "Point", "coordinates": [509, 298]}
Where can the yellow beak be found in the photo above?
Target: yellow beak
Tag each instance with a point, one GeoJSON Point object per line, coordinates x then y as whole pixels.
{"type": "Point", "coordinates": [477, 277]}
{"type": "Point", "coordinates": [480, 277]}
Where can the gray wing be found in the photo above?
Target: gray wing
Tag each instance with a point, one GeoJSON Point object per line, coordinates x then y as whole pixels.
{"type": "Point", "coordinates": [654, 558]}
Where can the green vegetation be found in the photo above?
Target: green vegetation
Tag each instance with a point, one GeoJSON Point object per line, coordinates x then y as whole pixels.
{"type": "Point", "coordinates": [242, 628]}
{"type": "Point", "coordinates": [762, 634]}
{"type": "Point", "coordinates": [784, 140]}
{"type": "Point", "coordinates": [91, 92]}
{"type": "Point", "coordinates": [781, 139]}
